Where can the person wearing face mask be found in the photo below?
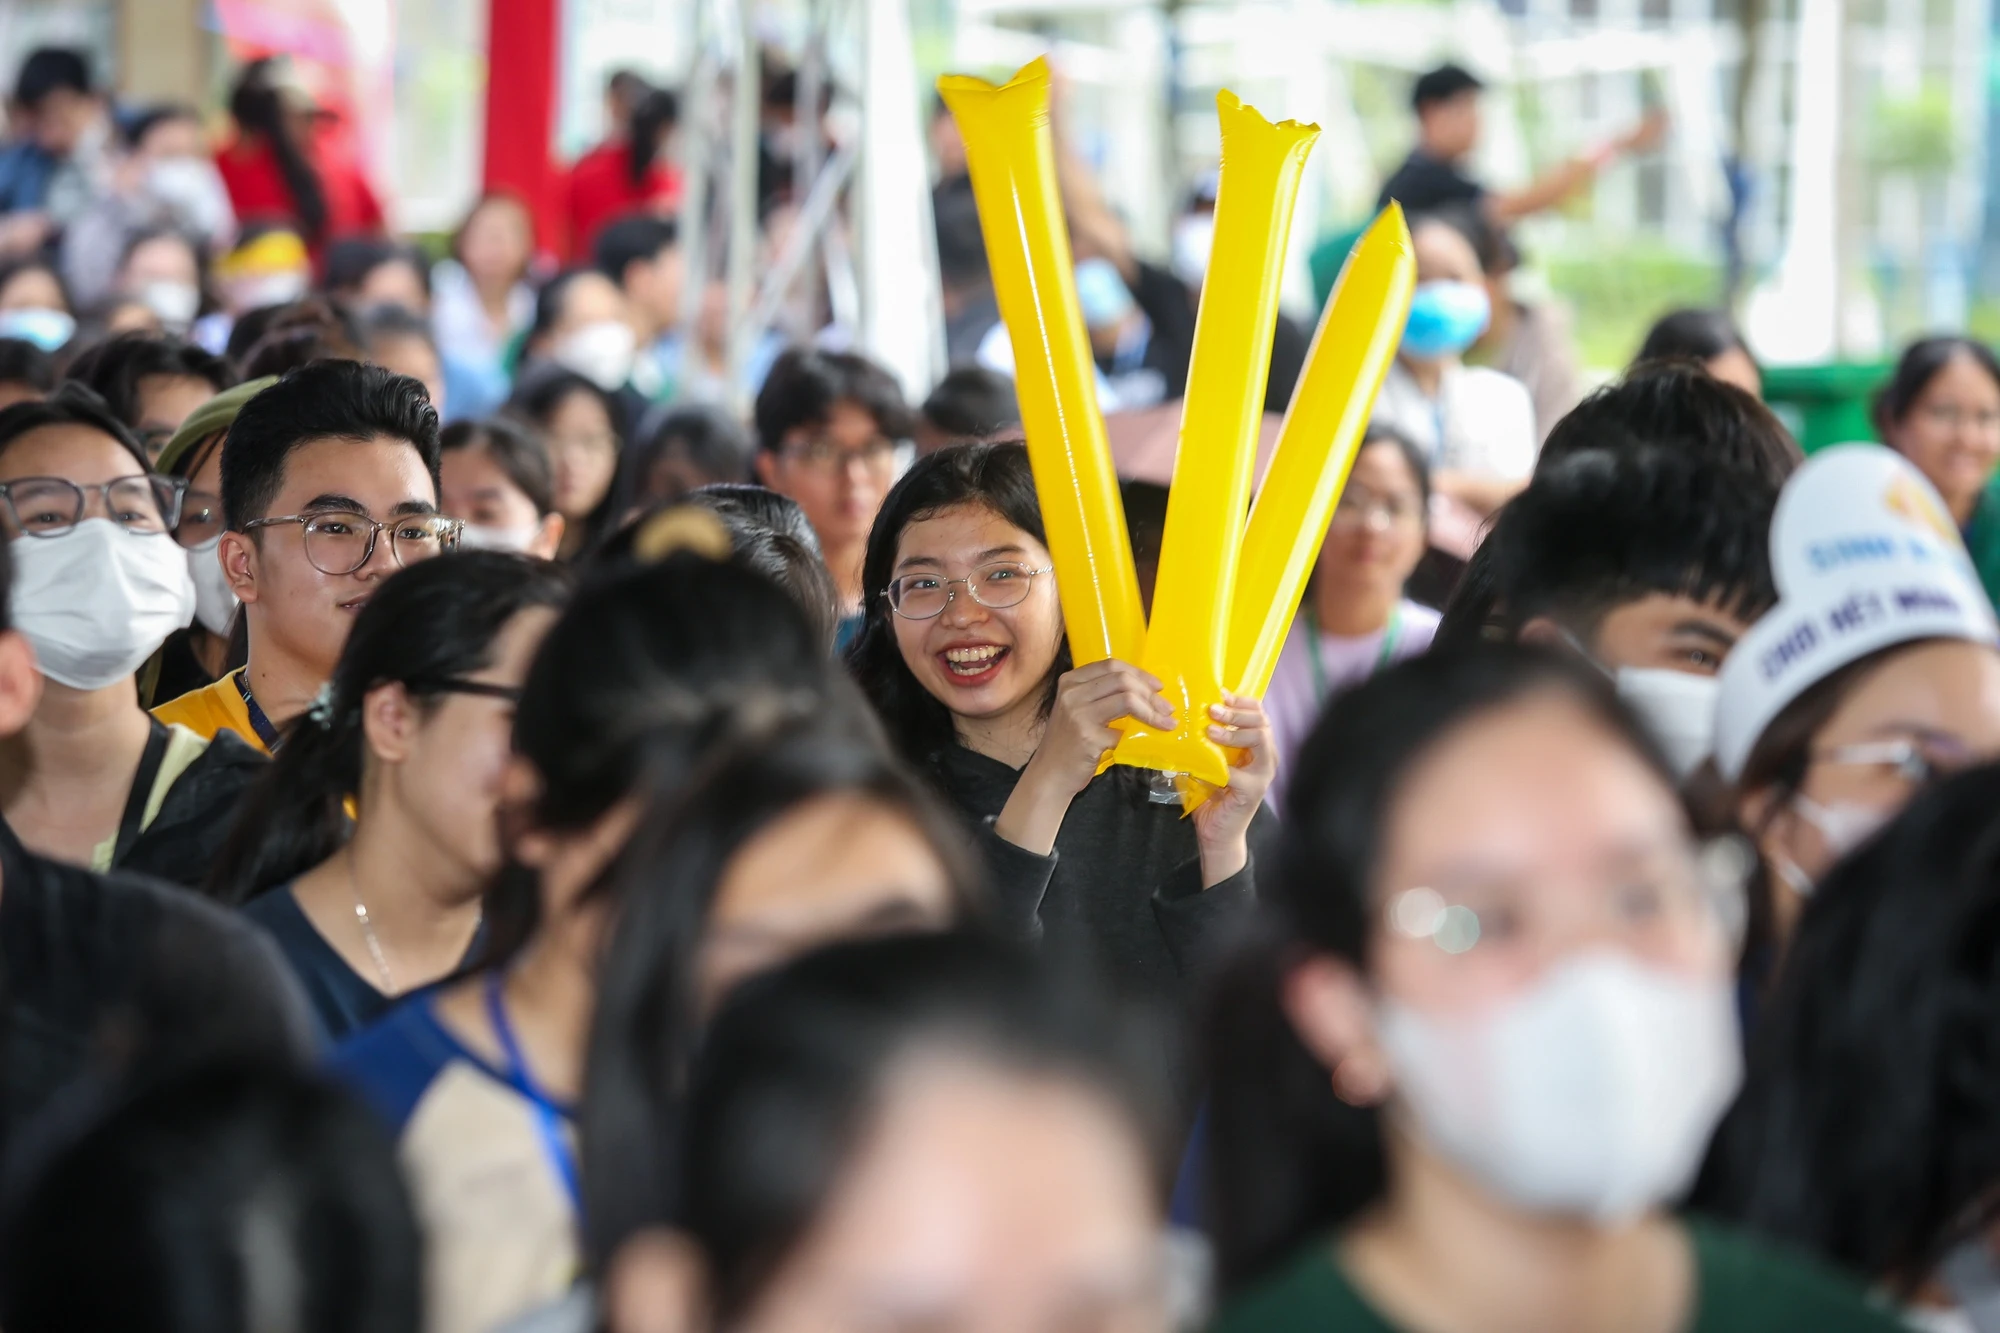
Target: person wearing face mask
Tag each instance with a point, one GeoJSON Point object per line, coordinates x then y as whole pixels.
{"type": "Point", "coordinates": [329, 486]}
{"type": "Point", "coordinates": [1481, 1051]}
{"type": "Point", "coordinates": [1475, 425]}
{"type": "Point", "coordinates": [35, 306]}
{"type": "Point", "coordinates": [1941, 410]}
{"type": "Point", "coordinates": [583, 324]}
{"type": "Point", "coordinates": [1874, 1068]}
{"type": "Point", "coordinates": [412, 730]}
{"type": "Point", "coordinates": [164, 182]}
{"type": "Point", "coordinates": [1877, 670]}
{"type": "Point", "coordinates": [495, 478]}
{"type": "Point", "coordinates": [1355, 619]}
{"type": "Point", "coordinates": [98, 584]}
{"type": "Point", "coordinates": [1650, 564]}
{"type": "Point", "coordinates": [582, 429]}
{"type": "Point", "coordinates": [213, 645]}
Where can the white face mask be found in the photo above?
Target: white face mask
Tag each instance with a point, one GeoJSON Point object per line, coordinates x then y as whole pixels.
{"type": "Point", "coordinates": [176, 303]}
{"type": "Point", "coordinates": [214, 603]}
{"type": "Point", "coordinates": [97, 600]}
{"type": "Point", "coordinates": [192, 189]}
{"type": "Point", "coordinates": [476, 537]}
{"type": "Point", "coordinates": [1591, 1094]}
{"type": "Point", "coordinates": [1678, 707]}
{"type": "Point", "coordinates": [602, 353]}
{"type": "Point", "coordinates": [1842, 826]}
{"type": "Point", "coordinates": [1193, 238]}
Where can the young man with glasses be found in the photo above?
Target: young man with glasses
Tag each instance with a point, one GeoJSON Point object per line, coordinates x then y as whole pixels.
{"type": "Point", "coordinates": [829, 425]}
{"type": "Point", "coordinates": [329, 486]}
{"type": "Point", "coordinates": [99, 583]}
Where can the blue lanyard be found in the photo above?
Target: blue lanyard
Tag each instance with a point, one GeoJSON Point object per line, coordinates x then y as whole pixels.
{"type": "Point", "coordinates": [548, 1118]}
{"type": "Point", "coordinates": [259, 723]}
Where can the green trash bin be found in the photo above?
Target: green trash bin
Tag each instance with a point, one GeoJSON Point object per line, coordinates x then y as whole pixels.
{"type": "Point", "coordinates": [1826, 404]}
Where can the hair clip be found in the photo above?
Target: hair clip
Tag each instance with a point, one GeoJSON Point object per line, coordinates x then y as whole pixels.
{"type": "Point", "coordinates": [320, 711]}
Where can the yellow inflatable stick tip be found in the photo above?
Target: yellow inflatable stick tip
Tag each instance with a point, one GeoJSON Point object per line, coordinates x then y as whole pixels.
{"type": "Point", "coordinates": [1011, 157]}
{"type": "Point", "coordinates": [1188, 638]}
{"type": "Point", "coordinates": [1350, 355]}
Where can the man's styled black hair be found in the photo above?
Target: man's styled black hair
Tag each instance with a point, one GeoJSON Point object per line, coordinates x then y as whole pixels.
{"type": "Point", "coordinates": [324, 400]}
{"type": "Point", "coordinates": [805, 383]}
{"type": "Point", "coordinates": [48, 69]}
{"type": "Point", "coordinates": [115, 367]}
{"type": "Point", "coordinates": [1441, 85]}
{"type": "Point", "coordinates": [631, 239]}
{"type": "Point", "coordinates": [1607, 527]}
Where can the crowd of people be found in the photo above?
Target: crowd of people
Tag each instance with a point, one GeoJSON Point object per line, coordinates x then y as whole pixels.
{"type": "Point", "coordinates": [491, 839]}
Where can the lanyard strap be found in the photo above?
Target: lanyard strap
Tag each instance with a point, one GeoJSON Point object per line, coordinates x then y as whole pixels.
{"type": "Point", "coordinates": [1391, 635]}
{"type": "Point", "coordinates": [548, 1120]}
{"type": "Point", "coordinates": [133, 822]}
{"type": "Point", "coordinates": [258, 722]}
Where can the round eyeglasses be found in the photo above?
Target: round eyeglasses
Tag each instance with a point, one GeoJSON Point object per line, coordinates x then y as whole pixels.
{"type": "Point", "coordinates": [339, 541]}
{"type": "Point", "coordinates": [996, 586]}
{"type": "Point", "coordinates": [51, 506]}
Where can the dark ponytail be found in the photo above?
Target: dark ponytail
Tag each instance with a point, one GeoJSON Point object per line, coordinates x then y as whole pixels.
{"type": "Point", "coordinates": [1289, 1161]}
{"type": "Point", "coordinates": [623, 685]}
{"type": "Point", "coordinates": [258, 106]}
{"type": "Point", "coordinates": [652, 118]}
{"type": "Point", "coordinates": [433, 622]}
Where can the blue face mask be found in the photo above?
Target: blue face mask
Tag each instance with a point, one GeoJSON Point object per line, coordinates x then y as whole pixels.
{"type": "Point", "coordinates": [1445, 319]}
{"type": "Point", "coordinates": [46, 329]}
{"type": "Point", "coordinates": [1101, 291]}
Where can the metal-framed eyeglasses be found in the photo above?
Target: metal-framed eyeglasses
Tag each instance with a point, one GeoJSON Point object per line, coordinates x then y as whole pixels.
{"type": "Point", "coordinates": [995, 587]}
{"type": "Point", "coordinates": [340, 541]}
{"type": "Point", "coordinates": [51, 506]}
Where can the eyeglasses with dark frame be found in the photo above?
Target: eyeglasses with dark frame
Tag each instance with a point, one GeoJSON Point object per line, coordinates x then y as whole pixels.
{"type": "Point", "coordinates": [51, 506]}
{"type": "Point", "coordinates": [340, 541]}
{"type": "Point", "coordinates": [995, 587]}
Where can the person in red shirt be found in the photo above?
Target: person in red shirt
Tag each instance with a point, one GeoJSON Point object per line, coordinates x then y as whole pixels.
{"type": "Point", "coordinates": [623, 174]}
{"type": "Point", "coordinates": [294, 163]}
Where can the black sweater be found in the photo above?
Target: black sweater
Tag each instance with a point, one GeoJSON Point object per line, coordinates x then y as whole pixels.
{"type": "Point", "coordinates": [1123, 886]}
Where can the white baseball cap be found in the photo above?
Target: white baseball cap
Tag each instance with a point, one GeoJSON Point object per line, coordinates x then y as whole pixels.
{"type": "Point", "coordinates": [1865, 556]}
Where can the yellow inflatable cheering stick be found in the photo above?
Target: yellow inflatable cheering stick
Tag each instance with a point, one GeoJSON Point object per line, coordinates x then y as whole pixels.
{"type": "Point", "coordinates": [1188, 638]}
{"type": "Point", "coordinates": [1351, 354]}
{"type": "Point", "coordinates": [1011, 156]}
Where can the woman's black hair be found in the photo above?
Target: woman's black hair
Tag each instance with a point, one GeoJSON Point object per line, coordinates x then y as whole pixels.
{"type": "Point", "coordinates": [760, 505]}
{"type": "Point", "coordinates": [653, 117]}
{"type": "Point", "coordinates": [351, 259]}
{"type": "Point", "coordinates": [990, 476]}
{"type": "Point", "coordinates": [794, 1068]}
{"type": "Point", "coordinates": [710, 439]}
{"type": "Point", "coordinates": [629, 671]}
{"type": "Point", "coordinates": [117, 367]}
{"type": "Point", "coordinates": [21, 362]}
{"type": "Point", "coordinates": [232, 1199]}
{"type": "Point", "coordinates": [515, 450]}
{"type": "Point", "coordinates": [72, 404]}
{"type": "Point", "coordinates": [298, 334]}
{"type": "Point", "coordinates": [258, 106]}
{"type": "Point", "coordinates": [429, 625]}
{"type": "Point", "coordinates": [1917, 367]}
{"type": "Point", "coordinates": [776, 553]}
{"type": "Point", "coordinates": [1868, 1129]}
{"type": "Point", "coordinates": [1289, 1161]}
{"type": "Point", "coordinates": [663, 888]}
{"type": "Point", "coordinates": [14, 268]}
{"type": "Point", "coordinates": [1691, 334]}
{"type": "Point", "coordinates": [537, 395]}
{"type": "Point", "coordinates": [549, 301]}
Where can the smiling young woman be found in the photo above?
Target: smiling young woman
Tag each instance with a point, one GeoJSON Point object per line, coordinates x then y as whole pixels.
{"type": "Point", "coordinates": [964, 655]}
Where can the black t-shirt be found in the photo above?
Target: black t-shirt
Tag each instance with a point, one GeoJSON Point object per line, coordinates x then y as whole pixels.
{"type": "Point", "coordinates": [113, 976]}
{"type": "Point", "coordinates": [343, 1001]}
{"type": "Point", "coordinates": [1424, 182]}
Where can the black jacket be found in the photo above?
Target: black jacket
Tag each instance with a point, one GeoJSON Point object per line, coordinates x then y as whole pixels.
{"type": "Point", "coordinates": [105, 977]}
{"type": "Point", "coordinates": [187, 834]}
{"type": "Point", "coordinates": [1123, 886]}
